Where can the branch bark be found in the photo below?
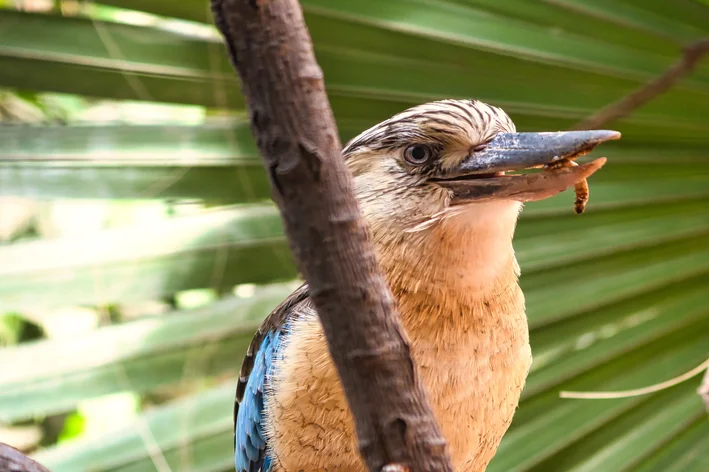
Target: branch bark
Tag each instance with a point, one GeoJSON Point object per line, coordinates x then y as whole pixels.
{"type": "Point", "coordinates": [292, 121]}
{"type": "Point", "coordinates": [634, 100]}
{"type": "Point", "coordinates": [12, 460]}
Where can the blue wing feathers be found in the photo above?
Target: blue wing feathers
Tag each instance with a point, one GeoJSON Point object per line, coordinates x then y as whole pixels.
{"type": "Point", "coordinates": [250, 453]}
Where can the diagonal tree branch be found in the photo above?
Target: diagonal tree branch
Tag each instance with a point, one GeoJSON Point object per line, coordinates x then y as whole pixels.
{"type": "Point", "coordinates": [626, 105]}
{"type": "Point", "coordinates": [294, 127]}
{"type": "Point", "coordinates": [12, 460]}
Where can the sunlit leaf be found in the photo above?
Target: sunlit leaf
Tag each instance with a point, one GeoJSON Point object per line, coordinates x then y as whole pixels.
{"type": "Point", "coordinates": [217, 250]}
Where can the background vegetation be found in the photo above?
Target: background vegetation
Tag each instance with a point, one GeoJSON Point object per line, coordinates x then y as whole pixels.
{"type": "Point", "coordinates": [138, 249]}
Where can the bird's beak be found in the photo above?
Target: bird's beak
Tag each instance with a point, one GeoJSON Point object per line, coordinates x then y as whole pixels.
{"type": "Point", "coordinates": [481, 175]}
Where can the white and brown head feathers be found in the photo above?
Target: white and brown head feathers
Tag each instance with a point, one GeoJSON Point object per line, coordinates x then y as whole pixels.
{"type": "Point", "coordinates": [451, 127]}
{"type": "Point", "coordinates": [407, 216]}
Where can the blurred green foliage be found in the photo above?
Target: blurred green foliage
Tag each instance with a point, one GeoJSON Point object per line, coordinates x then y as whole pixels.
{"type": "Point", "coordinates": [138, 250]}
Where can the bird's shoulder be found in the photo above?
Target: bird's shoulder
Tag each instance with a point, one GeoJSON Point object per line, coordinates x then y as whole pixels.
{"type": "Point", "coordinates": [250, 443]}
{"type": "Point", "coordinates": [274, 322]}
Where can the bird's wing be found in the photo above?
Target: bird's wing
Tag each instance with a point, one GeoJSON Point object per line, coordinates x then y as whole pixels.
{"type": "Point", "coordinates": [249, 437]}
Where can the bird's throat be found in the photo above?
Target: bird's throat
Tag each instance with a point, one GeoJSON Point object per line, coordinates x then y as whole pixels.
{"type": "Point", "coordinates": [458, 275]}
{"type": "Point", "coordinates": [471, 349]}
{"type": "Point", "coordinates": [469, 341]}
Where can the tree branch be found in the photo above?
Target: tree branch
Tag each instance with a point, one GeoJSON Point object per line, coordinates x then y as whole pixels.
{"type": "Point", "coordinates": [626, 105]}
{"type": "Point", "coordinates": [12, 460]}
{"type": "Point", "coordinates": [692, 54]}
{"type": "Point", "coordinates": [295, 130]}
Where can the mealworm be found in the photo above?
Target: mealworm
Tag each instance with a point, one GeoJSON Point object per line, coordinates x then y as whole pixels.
{"type": "Point", "coordinates": [580, 189]}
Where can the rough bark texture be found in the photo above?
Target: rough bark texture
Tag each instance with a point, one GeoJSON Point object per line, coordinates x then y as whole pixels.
{"type": "Point", "coordinates": [12, 460]}
{"type": "Point", "coordinates": [295, 130]}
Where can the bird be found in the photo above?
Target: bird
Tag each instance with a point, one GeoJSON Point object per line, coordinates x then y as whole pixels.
{"type": "Point", "coordinates": [435, 188]}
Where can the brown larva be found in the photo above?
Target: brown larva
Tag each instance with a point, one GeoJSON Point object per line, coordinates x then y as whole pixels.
{"type": "Point", "coordinates": [580, 189]}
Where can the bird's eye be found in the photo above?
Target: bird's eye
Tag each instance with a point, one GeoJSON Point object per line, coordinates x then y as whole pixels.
{"type": "Point", "coordinates": [418, 154]}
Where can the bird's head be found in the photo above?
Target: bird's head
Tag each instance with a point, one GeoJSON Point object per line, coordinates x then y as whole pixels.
{"type": "Point", "coordinates": [436, 174]}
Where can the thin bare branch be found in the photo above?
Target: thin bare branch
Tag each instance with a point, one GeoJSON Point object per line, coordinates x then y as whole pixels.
{"type": "Point", "coordinates": [623, 107]}
{"type": "Point", "coordinates": [638, 391]}
{"type": "Point", "coordinates": [626, 105]}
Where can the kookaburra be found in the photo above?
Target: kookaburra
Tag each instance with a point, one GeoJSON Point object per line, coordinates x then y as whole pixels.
{"type": "Point", "coordinates": [441, 212]}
